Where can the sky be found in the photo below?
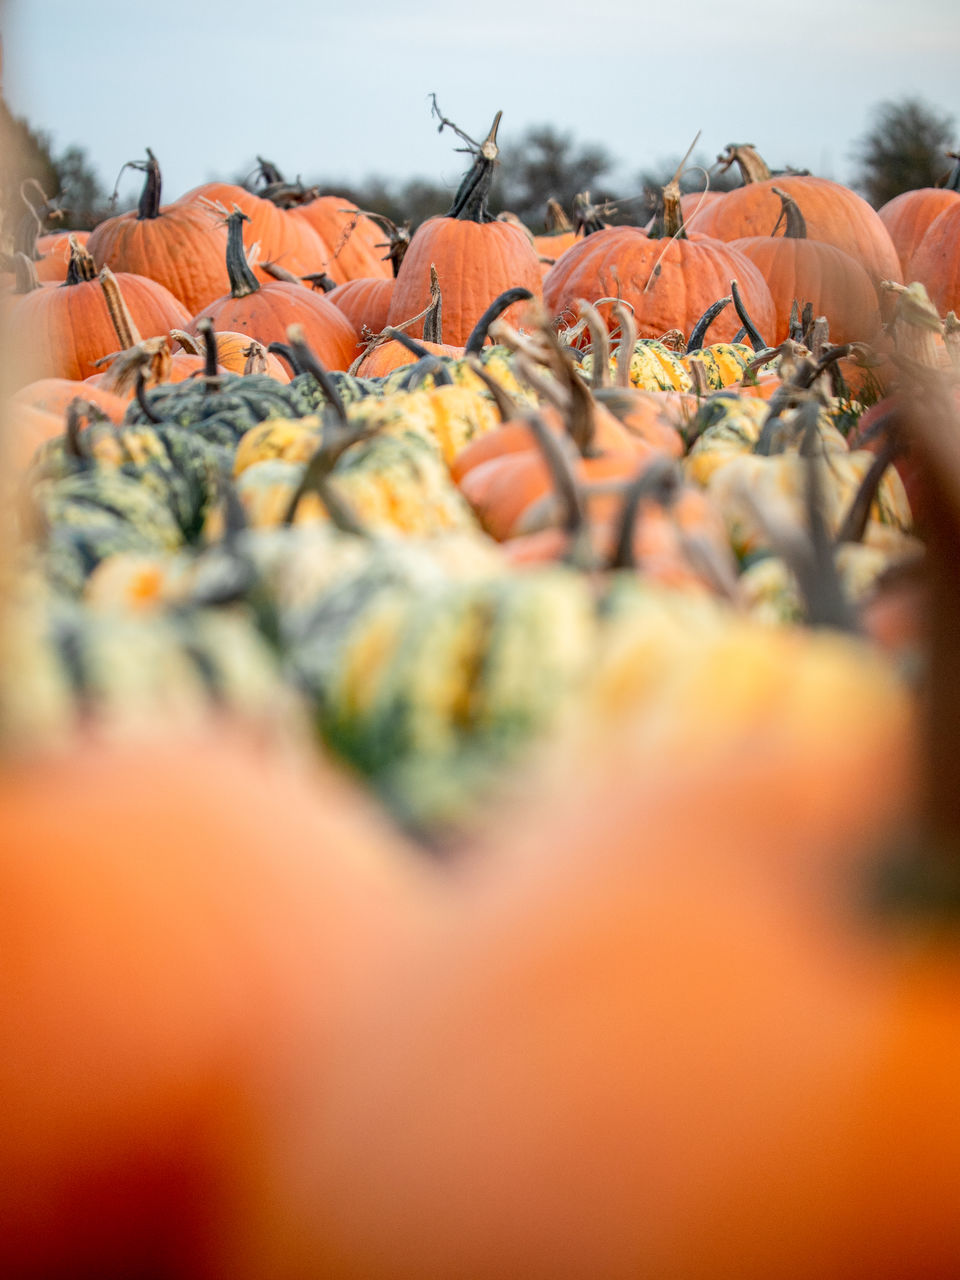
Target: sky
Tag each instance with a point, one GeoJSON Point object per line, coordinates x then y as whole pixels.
{"type": "Point", "coordinates": [342, 92]}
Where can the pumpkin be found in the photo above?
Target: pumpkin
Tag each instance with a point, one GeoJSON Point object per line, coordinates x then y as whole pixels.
{"type": "Point", "coordinates": [799, 270]}
{"type": "Point", "coordinates": [667, 282]}
{"type": "Point", "coordinates": [165, 941]}
{"type": "Point", "coordinates": [908, 215]}
{"type": "Point", "coordinates": [935, 261]}
{"type": "Point", "coordinates": [290, 242]}
{"type": "Point", "coordinates": [62, 331]}
{"type": "Point", "coordinates": [55, 394]}
{"type": "Point", "coordinates": [181, 245]}
{"type": "Point", "coordinates": [354, 239]}
{"type": "Point", "coordinates": [265, 311]}
{"type": "Point", "coordinates": [832, 212]}
{"type": "Point", "coordinates": [365, 302]}
{"type": "Point", "coordinates": [475, 257]}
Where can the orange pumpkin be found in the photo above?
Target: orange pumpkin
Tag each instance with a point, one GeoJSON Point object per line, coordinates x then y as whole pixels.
{"type": "Point", "coordinates": [833, 213]}
{"type": "Point", "coordinates": [908, 215]}
{"type": "Point", "coordinates": [290, 242]}
{"type": "Point", "coordinates": [181, 245]}
{"type": "Point", "coordinates": [668, 282]}
{"type": "Point", "coordinates": [475, 257]}
{"type": "Point", "coordinates": [266, 311]}
{"type": "Point", "coordinates": [175, 942]}
{"type": "Point", "coordinates": [62, 331]}
{"type": "Point", "coordinates": [801, 270]}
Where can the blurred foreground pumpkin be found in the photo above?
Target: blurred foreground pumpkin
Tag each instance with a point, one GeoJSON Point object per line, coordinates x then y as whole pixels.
{"type": "Point", "coordinates": [179, 914]}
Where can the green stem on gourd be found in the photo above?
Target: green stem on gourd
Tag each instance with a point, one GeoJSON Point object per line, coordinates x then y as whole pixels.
{"type": "Point", "coordinates": [854, 523]}
{"type": "Point", "coordinates": [242, 280]}
{"type": "Point", "coordinates": [309, 362]}
{"type": "Point", "coordinates": [479, 333]}
{"type": "Point", "coordinates": [952, 181]}
{"type": "Point", "coordinates": [699, 331]}
{"type": "Point", "coordinates": [756, 341]}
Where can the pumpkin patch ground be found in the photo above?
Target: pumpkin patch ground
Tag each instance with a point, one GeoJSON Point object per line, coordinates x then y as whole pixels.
{"type": "Point", "coordinates": [479, 710]}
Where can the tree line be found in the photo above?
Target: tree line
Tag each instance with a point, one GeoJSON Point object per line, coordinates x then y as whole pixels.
{"type": "Point", "coordinates": [905, 147]}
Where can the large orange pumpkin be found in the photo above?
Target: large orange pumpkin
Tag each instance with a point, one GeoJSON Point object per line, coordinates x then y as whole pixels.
{"type": "Point", "coordinates": [180, 911]}
{"type": "Point", "coordinates": [801, 270]}
{"type": "Point", "coordinates": [181, 245]}
{"type": "Point", "coordinates": [908, 215]}
{"type": "Point", "coordinates": [669, 282]}
{"type": "Point", "coordinates": [476, 257]}
{"type": "Point", "coordinates": [832, 213]}
{"type": "Point", "coordinates": [62, 331]}
{"type": "Point", "coordinates": [265, 311]}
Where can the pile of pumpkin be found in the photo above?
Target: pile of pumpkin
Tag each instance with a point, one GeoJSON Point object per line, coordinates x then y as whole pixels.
{"type": "Point", "coordinates": [507, 535]}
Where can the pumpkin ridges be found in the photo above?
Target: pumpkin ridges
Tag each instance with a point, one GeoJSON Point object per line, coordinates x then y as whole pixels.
{"type": "Point", "coordinates": [936, 262]}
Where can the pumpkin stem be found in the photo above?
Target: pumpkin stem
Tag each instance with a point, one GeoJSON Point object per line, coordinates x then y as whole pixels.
{"type": "Point", "coordinates": [589, 218]}
{"type": "Point", "coordinates": [428, 366]}
{"type": "Point", "coordinates": [242, 280]}
{"type": "Point", "coordinates": [318, 281]}
{"type": "Point", "coordinates": [699, 331]}
{"type": "Point", "coordinates": [277, 272]}
{"type": "Point", "coordinates": [140, 393]}
{"type": "Point", "coordinates": [479, 333]}
{"type": "Point", "coordinates": [470, 202]}
{"type": "Point", "coordinates": [310, 363]}
{"type": "Point", "coordinates": [255, 358]}
{"type": "Point", "coordinates": [433, 320]}
{"type": "Point", "coordinates": [187, 341]}
{"type": "Point", "coordinates": [398, 238]}
{"type": "Point", "coordinates": [124, 326]}
{"type": "Point", "coordinates": [744, 155]}
{"type": "Point", "coordinates": [756, 341]}
{"type": "Point", "coordinates": [285, 353]}
{"type": "Point", "coordinates": [210, 354]}
{"type": "Point", "coordinates": [556, 219]}
{"type": "Point", "coordinates": [82, 267]}
{"type": "Point", "coordinates": [668, 219]}
{"type": "Point", "coordinates": [268, 173]}
{"type": "Point", "coordinates": [149, 206]}
{"type": "Point", "coordinates": [794, 224]}
{"type": "Point", "coordinates": [28, 229]}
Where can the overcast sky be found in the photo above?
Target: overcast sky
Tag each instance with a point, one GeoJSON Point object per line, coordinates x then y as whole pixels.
{"type": "Point", "coordinates": [342, 91]}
